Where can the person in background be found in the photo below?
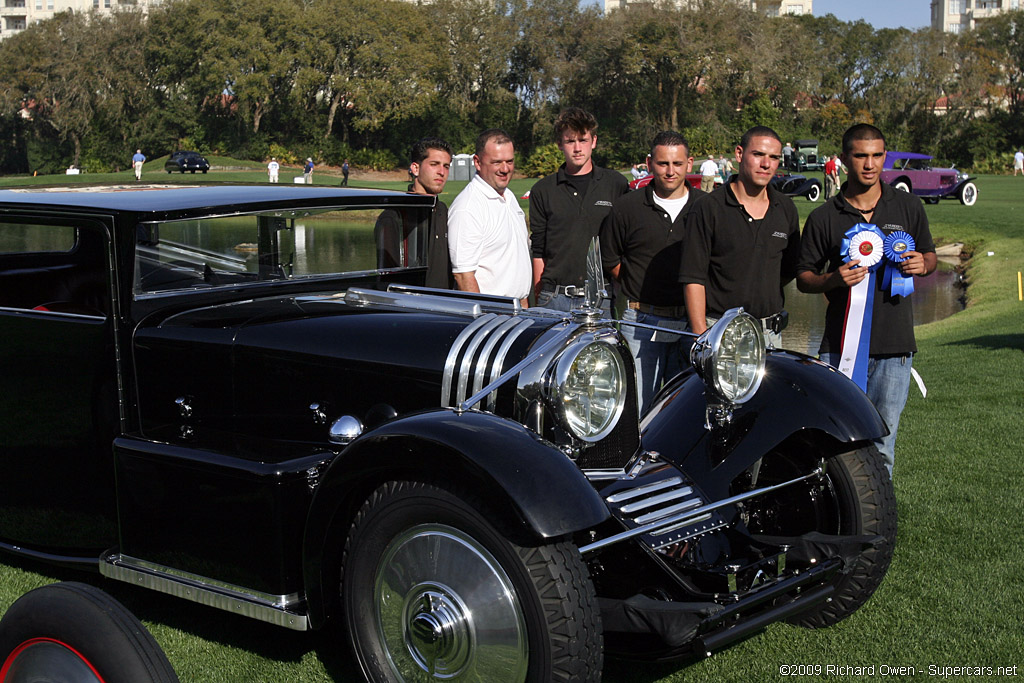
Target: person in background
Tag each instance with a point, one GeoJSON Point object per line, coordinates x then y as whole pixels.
{"type": "Point", "coordinates": [724, 168]}
{"type": "Point", "coordinates": [487, 237]}
{"type": "Point", "coordinates": [1018, 162]}
{"type": "Point", "coordinates": [430, 162]}
{"type": "Point", "coordinates": [822, 268]}
{"type": "Point", "coordinates": [566, 211]}
{"type": "Point", "coordinates": [273, 168]}
{"type": "Point", "coordinates": [708, 171]}
{"type": "Point", "coordinates": [344, 173]}
{"type": "Point", "coordinates": [137, 160]}
{"type": "Point", "coordinates": [307, 171]}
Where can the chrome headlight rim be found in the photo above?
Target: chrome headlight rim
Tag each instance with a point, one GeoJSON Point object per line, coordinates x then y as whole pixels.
{"type": "Point", "coordinates": [707, 350]}
{"type": "Point", "coordinates": [560, 392]}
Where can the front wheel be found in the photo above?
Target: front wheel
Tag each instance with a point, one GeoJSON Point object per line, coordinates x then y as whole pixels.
{"type": "Point", "coordinates": [968, 194]}
{"type": "Point", "coordinates": [76, 632]}
{"type": "Point", "coordinates": [902, 185]}
{"type": "Point", "coordinates": [814, 193]}
{"type": "Point", "coordinates": [855, 499]}
{"type": "Point", "coordinates": [432, 591]}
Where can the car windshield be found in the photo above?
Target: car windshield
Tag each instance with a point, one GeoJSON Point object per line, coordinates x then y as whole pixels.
{"type": "Point", "coordinates": [283, 245]}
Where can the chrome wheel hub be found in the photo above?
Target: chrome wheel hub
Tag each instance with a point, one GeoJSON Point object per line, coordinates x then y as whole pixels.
{"type": "Point", "coordinates": [445, 609]}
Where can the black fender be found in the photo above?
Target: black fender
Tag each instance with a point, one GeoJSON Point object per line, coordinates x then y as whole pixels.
{"type": "Point", "coordinates": [533, 490]}
{"type": "Point", "coordinates": [798, 396]}
{"type": "Point", "coordinates": [805, 187]}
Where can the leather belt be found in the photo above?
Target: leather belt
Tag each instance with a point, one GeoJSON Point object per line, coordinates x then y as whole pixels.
{"type": "Point", "coordinates": [567, 290]}
{"type": "Point", "coordinates": [660, 311]}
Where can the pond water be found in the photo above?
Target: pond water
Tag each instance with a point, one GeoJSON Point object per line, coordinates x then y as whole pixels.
{"type": "Point", "coordinates": [936, 296]}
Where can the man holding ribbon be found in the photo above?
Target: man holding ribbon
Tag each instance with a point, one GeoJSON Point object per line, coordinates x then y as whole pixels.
{"type": "Point", "coordinates": [871, 240]}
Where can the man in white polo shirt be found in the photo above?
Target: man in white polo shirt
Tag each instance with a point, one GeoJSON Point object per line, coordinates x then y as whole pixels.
{"type": "Point", "coordinates": [487, 237]}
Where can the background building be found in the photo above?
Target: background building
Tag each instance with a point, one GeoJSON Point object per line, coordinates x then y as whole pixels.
{"type": "Point", "coordinates": [954, 16]}
{"type": "Point", "coordinates": [772, 8]}
{"type": "Point", "coordinates": [16, 15]}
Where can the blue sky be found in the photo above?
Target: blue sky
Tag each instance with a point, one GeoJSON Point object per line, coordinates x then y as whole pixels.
{"type": "Point", "coordinates": [910, 14]}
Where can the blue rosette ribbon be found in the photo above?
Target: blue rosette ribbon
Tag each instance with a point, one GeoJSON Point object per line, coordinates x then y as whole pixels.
{"type": "Point", "coordinates": [866, 243]}
{"type": "Point", "coordinates": [897, 244]}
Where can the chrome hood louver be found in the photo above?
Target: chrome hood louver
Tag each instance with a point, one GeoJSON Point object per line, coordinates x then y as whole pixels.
{"type": "Point", "coordinates": [477, 356]}
{"type": "Point", "coordinates": [664, 507]}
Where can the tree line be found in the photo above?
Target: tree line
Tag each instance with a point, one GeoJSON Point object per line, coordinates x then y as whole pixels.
{"type": "Point", "coordinates": [362, 79]}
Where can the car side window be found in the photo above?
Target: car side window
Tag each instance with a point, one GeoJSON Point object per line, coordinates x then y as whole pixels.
{"type": "Point", "coordinates": [232, 250]}
{"type": "Point", "coordinates": [53, 268]}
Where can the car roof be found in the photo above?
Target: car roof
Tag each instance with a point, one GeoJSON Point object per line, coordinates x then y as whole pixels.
{"type": "Point", "coordinates": [806, 143]}
{"type": "Point", "coordinates": [166, 199]}
{"type": "Point", "coordinates": [892, 156]}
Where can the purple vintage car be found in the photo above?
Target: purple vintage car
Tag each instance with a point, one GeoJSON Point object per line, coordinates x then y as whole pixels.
{"type": "Point", "coordinates": [912, 172]}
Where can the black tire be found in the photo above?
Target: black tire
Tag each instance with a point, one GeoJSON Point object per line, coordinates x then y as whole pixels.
{"type": "Point", "coordinates": [813, 193]}
{"type": "Point", "coordinates": [419, 559]}
{"type": "Point", "coordinates": [856, 499]}
{"type": "Point", "coordinates": [931, 200]}
{"type": "Point", "coordinates": [76, 632]}
{"type": "Point", "coordinates": [902, 185]}
{"type": "Point", "coordinates": [968, 194]}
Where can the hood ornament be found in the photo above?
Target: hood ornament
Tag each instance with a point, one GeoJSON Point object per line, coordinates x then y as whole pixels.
{"type": "Point", "coordinates": [594, 289]}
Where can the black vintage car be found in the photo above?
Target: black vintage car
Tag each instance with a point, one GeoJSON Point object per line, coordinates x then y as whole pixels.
{"type": "Point", "coordinates": [797, 185]}
{"type": "Point", "coordinates": [186, 161]}
{"type": "Point", "coordinates": [243, 397]}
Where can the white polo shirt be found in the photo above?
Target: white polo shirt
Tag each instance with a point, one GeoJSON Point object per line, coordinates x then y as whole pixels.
{"type": "Point", "coordinates": [487, 235]}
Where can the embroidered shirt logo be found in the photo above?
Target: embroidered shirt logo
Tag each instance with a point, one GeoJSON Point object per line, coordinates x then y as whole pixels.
{"type": "Point", "coordinates": [780, 234]}
{"type": "Point", "coordinates": [602, 202]}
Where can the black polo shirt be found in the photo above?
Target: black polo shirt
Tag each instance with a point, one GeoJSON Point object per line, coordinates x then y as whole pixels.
{"type": "Point", "coordinates": [739, 260]}
{"type": "Point", "coordinates": [639, 236]}
{"type": "Point", "coordinates": [892, 318]}
{"type": "Point", "coordinates": [439, 264]}
{"type": "Point", "coordinates": [562, 222]}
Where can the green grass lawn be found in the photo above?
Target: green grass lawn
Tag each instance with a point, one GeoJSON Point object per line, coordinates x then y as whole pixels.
{"type": "Point", "coordinates": [954, 595]}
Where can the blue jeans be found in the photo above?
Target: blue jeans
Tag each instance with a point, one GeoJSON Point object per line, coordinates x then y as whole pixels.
{"type": "Point", "coordinates": [656, 359]}
{"type": "Point", "coordinates": [888, 385]}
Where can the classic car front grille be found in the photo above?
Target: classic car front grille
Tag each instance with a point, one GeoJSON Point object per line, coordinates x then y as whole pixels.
{"type": "Point", "coordinates": [477, 356]}
{"type": "Point", "coordinates": [666, 499]}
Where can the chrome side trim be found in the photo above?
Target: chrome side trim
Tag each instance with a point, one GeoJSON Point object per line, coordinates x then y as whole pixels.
{"type": "Point", "coordinates": [281, 610]}
{"type": "Point", "coordinates": [644, 490]}
{"type": "Point", "coordinates": [359, 296]}
{"type": "Point", "coordinates": [453, 354]}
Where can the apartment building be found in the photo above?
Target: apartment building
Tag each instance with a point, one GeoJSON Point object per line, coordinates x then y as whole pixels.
{"type": "Point", "coordinates": [16, 15]}
{"type": "Point", "coordinates": [772, 8]}
{"type": "Point", "coordinates": [954, 16]}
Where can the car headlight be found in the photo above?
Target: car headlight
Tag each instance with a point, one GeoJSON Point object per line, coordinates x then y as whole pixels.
{"type": "Point", "coordinates": [961, 176]}
{"type": "Point", "coordinates": [589, 388]}
{"type": "Point", "coordinates": [730, 356]}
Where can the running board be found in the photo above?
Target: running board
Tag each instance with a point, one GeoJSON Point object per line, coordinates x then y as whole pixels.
{"type": "Point", "coordinates": [280, 610]}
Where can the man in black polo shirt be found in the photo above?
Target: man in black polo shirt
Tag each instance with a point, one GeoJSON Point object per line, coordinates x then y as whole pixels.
{"type": "Point", "coordinates": [742, 242]}
{"type": "Point", "coordinates": [864, 198]}
{"type": "Point", "coordinates": [430, 161]}
{"type": "Point", "coordinates": [566, 210]}
{"type": "Point", "coordinates": [640, 243]}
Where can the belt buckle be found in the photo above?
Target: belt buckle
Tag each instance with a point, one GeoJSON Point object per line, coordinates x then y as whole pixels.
{"type": "Point", "coordinates": [571, 290]}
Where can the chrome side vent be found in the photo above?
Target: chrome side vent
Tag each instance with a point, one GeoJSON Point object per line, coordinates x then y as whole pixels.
{"type": "Point", "coordinates": [477, 356]}
{"type": "Point", "coordinates": [666, 500]}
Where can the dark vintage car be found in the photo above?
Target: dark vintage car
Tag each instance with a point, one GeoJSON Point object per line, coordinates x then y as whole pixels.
{"type": "Point", "coordinates": [805, 157]}
{"type": "Point", "coordinates": [913, 172]}
{"type": "Point", "coordinates": [186, 161]}
{"type": "Point", "coordinates": [796, 185]}
{"type": "Point", "coordinates": [221, 393]}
